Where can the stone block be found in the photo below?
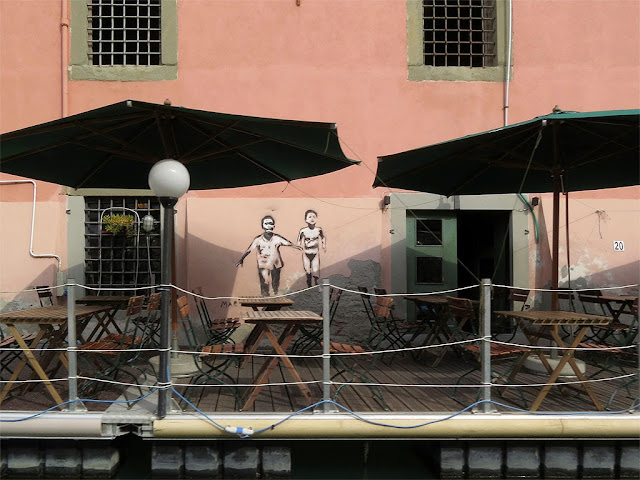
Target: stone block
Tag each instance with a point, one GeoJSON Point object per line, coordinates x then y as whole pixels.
{"type": "Point", "coordinates": [452, 461]}
{"type": "Point", "coordinates": [630, 460]}
{"type": "Point", "coordinates": [598, 460]}
{"type": "Point", "coordinates": [100, 462]}
{"type": "Point", "coordinates": [202, 461]}
{"type": "Point", "coordinates": [62, 462]}
{"type": "Point", "coordinates": [241, 461]}
{"type": "Point", "coordinates": [25, 462]}
{"type": "Point", "coordinates": [3, 461]}
{"type": "Point", "coordinates": [276, 461]}
{"type": "Point", "coordinates": [522, 460]}
{"type": "Point", "coordinates": [167, 460]}
{"type": "Point", "coordinates": [484, 461]}
{"type": "Point", "coordinates": [561, 460]}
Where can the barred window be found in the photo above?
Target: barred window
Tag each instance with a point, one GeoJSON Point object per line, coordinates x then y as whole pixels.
{"type": "Point", "coordinates": [459, 33]}
{"type": "Point", "coordinates": [119, 260]}
{"type": "Point", "coordinates": [124, 32]}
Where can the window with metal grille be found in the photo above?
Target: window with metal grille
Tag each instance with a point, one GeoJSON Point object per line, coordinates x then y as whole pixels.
{"type": "Point", "coordinates": [124, 32]}
{"type": "Point", "coordinates": [459, 33]}
{"type": "Point", "coordinates": [127, 259]}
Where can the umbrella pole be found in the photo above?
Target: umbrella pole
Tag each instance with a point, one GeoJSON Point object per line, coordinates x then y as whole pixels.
{"type": "Point", "coordinates": [555, 241]}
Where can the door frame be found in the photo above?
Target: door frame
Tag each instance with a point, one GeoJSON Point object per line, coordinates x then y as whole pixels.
{"type": "Point", "coordinates": [519, 238]}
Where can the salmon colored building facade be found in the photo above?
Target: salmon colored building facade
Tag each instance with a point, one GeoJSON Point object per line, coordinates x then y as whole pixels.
{"type": "Point", "coordinates": [355, 63]}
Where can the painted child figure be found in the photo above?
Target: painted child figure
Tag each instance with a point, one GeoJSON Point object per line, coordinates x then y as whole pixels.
{"type": "Point", "coordinates": [310, 238]}
{"type": "Point", "coordinates": [267, 246]}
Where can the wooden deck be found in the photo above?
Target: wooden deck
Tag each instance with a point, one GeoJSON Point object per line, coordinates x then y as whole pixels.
{"type": "Point", "coordinates": [424, 389]}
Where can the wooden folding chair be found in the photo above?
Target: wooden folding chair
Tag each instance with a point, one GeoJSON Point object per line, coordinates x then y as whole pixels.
{"type": "Point", "coordinates": [13, 350]}
{"type": "Point", "coordinates": [218, 330]}
{"type": "Point", "coordinates": [211, 361]}
{"type": "Point", "coordinates": [149, 321]}
{"type": "Point", "coordinates": [355, 362]}
{"type": "Point", "coordinates": [451, 327]}
{"type": "Point", "coordinates": [117, 352]}
{"type": "Point", "coordinates": [392, 329]}
{"type": "Point", "coordinates": [505, 328]}
{"type": "Point", "coordinates": [463, 313]}
{"type": "Point", "coordinates": [311, 335]}
{"type": "Point", "coordinates": [45, 295]}
{"type": "Point", "coordinates": [615, 333]}
{"type": "Point", "coordinates": [373, 335]}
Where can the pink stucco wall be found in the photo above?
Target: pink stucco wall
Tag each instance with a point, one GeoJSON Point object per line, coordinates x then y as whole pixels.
{"type": "Point", "coordinates": [338, 61]}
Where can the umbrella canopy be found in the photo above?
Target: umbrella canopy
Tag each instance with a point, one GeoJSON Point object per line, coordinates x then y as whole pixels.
{"type": "Point", "coordinates": [115, 147]}
{"type": "Point", "coordinates": [559, 152]}
{"type": "Point", "coordinates": [577, 151]}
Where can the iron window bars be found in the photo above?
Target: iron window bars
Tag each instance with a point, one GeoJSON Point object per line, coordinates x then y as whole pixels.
{"type": "Point", "coordinates": [459, 33]}
{"type": "Point", "coordinates": [121, 260]}
{"type": "Point", "coordinates": [124, 32]}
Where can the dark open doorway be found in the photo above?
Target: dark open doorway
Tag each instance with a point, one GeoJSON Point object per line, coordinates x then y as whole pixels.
{"type": "Point", "coordinates": [484, 250]}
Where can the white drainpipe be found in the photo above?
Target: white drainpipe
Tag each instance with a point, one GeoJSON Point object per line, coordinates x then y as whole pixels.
{"type": "Point", "coordinates": [33, 218]}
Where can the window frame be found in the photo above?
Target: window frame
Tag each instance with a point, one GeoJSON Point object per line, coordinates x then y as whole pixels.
{"type": "Point", "coordinates": [418, 71]}
{"type": "Point", "coordinates": [80, 67]}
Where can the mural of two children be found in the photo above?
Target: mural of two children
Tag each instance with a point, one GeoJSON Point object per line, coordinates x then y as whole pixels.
{"type": "Point", "coordinates": [270, 263]}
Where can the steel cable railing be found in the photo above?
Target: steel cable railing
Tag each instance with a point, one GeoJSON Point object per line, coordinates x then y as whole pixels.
{"type": "Point", "coordinates": [326, 383]}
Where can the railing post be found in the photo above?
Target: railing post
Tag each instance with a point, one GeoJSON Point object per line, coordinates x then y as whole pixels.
{"type": "Point", "coordinates": [72, 342]}
{"type": "Point", "coordinates": [485, 344]}
{"type": "Point", "coordinates": [326, 340]}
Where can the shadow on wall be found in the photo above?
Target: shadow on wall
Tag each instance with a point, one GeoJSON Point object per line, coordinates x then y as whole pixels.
{"type": "Point", "coordinates": [12, 300]}
{"type": "Point", "coordinates": [628, 273]}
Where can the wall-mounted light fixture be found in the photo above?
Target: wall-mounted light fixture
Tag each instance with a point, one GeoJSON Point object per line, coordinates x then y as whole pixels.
{"type": "Point", "coordinates": [386, 201]}
{"type": "Point", "coordinates": [535, 201]}
{"type": "Point", "coordinates": [148, 223]}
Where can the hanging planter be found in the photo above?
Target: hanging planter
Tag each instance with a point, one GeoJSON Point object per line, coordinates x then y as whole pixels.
{"type": "Point", "coordinates": [118, 224]}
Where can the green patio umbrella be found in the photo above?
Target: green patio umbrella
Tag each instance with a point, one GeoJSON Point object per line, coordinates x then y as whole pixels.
{"type": "Point", "coordinates": [558, 152]}
{"type": "Point", "coordinates": [115, 147]}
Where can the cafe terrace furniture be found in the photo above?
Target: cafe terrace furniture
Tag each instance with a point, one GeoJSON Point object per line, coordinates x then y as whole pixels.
{"type": "Point", "coordinates": [444, 328]}
{"type": "Point", "coordinates": [264, 320]}
{"type": "Point", "coordinates": [617, 333]}
{"type": "Point", "coordinates": [354, 362]}
{"type": "Point", "coordinates": [384, 327]}
{"type": "Point", "coordinates": [107, 324]}
{"type": "Point", "coordinates": [265, 303]}
{"type": "Point", "coordinates": [118, 353]}
{"type": "Point", "coordinates": [395, 330]}
{"type": "Point", "coordinates": [10, 350]}
{"type": "Point", "coordinates": [219, 330]}
{"type": "Point", "coordinates": [537, 325]}
{"type": "Point", "coordinates": [311, 335]}
{"type": "Point", "coordinates": [211, 360]}
{"type": "Point", "coordinates": [262, 303]}
{"type": "Point", "coordinates": [463, 311]}
{"type": "Point", "coordinates": [52, 329]}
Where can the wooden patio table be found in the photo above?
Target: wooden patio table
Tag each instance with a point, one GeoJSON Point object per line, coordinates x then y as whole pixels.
{"type": "Point", "coordinates": [263, 321]}
{"type": "Point", "coordinates": [441, 330]}
{"type": "Point", "coordinates": [47, 318]}
{"type": "Point", "coordinates": [536, 324]}
{"type": "Point", "coordinates": [265, 304]}
{"type": "Point", "coordinates": [116, 302]}
{"type": "Point", "coordinates": [616, 304]}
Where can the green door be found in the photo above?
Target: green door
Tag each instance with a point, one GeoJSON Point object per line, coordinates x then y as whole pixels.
{"type": "Point", "coordinates": [431, 253]}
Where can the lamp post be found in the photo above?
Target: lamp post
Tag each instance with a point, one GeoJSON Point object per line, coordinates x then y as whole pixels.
{"type": "Point", "coordinates": [169, 180]}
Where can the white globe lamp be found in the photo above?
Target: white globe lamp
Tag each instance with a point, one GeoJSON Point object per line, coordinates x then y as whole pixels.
{"type": "Point", "coordinates": [169, 179]}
